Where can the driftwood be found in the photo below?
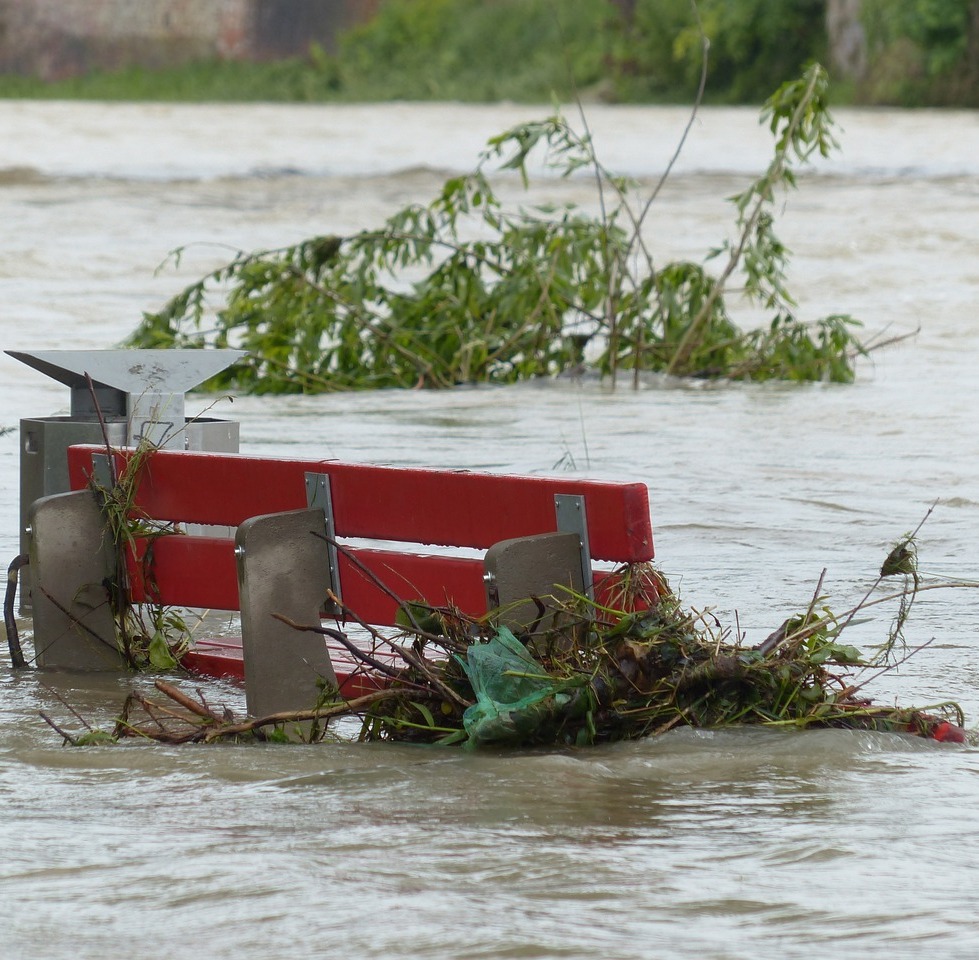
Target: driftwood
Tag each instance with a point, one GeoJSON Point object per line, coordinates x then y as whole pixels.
{"type": "Point", "coordinates": [199, 723]}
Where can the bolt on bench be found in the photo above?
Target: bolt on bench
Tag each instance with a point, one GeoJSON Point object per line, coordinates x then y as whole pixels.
{"type": "Point", "coordinates": [297, 541]}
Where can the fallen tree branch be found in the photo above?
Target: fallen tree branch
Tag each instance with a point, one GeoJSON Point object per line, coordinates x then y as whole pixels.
{"type": "Point", "coordinates": [339, 709]}
{"type": "Point", "coordinates": [188, 703]}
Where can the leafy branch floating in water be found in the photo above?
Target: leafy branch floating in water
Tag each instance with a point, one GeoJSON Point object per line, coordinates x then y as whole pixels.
{"type": "Point", "coordinates": [462, 290]}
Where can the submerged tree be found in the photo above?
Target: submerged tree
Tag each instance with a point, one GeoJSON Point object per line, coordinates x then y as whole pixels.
{"type": "Point", "coordinates": [462, 290]}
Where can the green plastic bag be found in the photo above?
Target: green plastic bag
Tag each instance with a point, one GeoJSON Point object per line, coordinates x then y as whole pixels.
{"type": "Point", "coordinates": [515, 697]}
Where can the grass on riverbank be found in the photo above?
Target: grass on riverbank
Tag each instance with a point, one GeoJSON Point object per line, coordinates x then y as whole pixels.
{"type": "Point", "coordinates": [283, 81]}
{"type": "Point", "coordinates": [474, 52]}
{"type": "Point", "coordinates": [534, 51]}
{"type": "Point", "coordinates": [528, 51]}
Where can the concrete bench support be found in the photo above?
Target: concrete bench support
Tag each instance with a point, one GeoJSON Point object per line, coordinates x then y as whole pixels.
{"type": "Point", "coordinates": [534, 566]}
{"type": "Point", "coordinates": [538, 566]}
{"type": "Point", "coordinates": [71, 560]}
{"type": "Point", "coordinates": [283, 568]}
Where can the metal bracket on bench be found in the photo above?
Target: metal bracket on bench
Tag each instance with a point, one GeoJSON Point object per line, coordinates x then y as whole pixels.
{"type": "Point", "coordinates": [318, 494]}
{"type": "Point", "coordinates": [571, 518]}
{"type": "Point", "coordinates": [102, 470]}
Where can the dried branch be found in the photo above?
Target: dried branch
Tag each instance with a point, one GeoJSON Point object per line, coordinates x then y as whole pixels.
{"type": "Point", "coordinates": [357, 652]}
{"type": "Point", "coordinates": [188, 703]}
{"type": "Point", "coordinates": [409, 656]}
{"type": "Point", "coordinates": [67, 737]}
{"type": "Point", "coordinates": [340, 709]}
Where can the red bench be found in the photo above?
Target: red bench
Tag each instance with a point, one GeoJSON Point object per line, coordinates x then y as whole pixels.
{"type": "Point", "coordinates": [300, 531]}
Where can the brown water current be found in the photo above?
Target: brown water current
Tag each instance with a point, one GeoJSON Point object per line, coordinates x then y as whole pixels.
{"type": "Point", "coordinates": [733, 844]}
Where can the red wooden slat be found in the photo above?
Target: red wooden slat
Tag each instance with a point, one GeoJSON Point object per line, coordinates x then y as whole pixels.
{"type": "Point", "coordinates": [439, 580]}
{"type": "Point", "coordinates": [387, 503]}
{"type": "Point", "coordinates": [178, 579]}
{"type": "Point", "coordinates": [189, 572]}
{"type": "Point", "coordinates": [223, 658]}
{"type": "Point", "coordinates": [219, 662]}
{"type": "Point", "coordinates": [200, 572]}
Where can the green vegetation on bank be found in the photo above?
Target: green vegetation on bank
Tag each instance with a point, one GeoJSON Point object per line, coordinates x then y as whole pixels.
{"type": "Point", "coordinates": [919, 52]}
{"type": "Point", "coordinates": [311, 79]}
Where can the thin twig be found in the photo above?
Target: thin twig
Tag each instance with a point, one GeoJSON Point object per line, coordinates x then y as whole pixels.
{"type": "Point", "coordinates": [54, 693]}
{"type": "Point", "coordinates": [344, 708]}
{"type": "Point", "coordinates": [355, 651]}
{"type": "Point", "coordinates": [880, 577]}
{"type": "Point", "coordinates": [886, 668]}
{"type": "Point", "coordinates": [150, 709]}
{"type": "Point", "coordinates": [409, 656]}
{"type": "Point", "coordinates": [774, 172]}
{"type": "Point", "coordinates": [68, 738]}
{"type": "Point", "coordinates": [380, 584]}
{"type": "Point", "coordinates": [816, 594]}
{"type": "Point", "coordinates": [698, 101]}
{"type": "Point", "coordinates": [876, 344]}
{"type": "Point", "coordinates": [75, 622]}
{"type": "Point", "coordinates": [104, 428]}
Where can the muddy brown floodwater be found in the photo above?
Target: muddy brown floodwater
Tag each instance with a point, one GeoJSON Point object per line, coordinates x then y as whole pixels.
{"type": "Point", "coordinates": [733, 844]}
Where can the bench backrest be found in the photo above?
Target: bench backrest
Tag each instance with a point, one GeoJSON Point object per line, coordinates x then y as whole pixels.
{"type": "Point", "coordinates": [412, 508]}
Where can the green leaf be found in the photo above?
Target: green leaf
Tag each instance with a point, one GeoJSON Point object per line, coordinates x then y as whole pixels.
{"type": "Point", "coordinates": [95, 738]}
{"type": "Point", "coordinates": [425, 712]}
{"type": "Point", "coordinates": [159, 653]}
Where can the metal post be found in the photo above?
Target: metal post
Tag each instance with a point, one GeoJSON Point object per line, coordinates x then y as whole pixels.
{"type": "Point", "coordinates": [319, 495]}
{"type": "Point", "coordinates": [571, 518]}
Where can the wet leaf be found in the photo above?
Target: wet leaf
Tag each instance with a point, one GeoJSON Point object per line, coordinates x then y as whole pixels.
{"type": "Point", "coordinates": [159, 653]}
{"type": "Point", "coordinates": [902, 560]}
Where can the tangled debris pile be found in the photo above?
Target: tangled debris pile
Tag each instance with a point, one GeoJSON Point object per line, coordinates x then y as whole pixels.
{"type": "Point", "coordinates": [588, 673]}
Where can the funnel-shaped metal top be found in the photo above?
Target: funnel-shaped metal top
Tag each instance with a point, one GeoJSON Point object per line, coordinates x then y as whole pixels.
{"type": "Point", "coordinates": [130, 371]}
{"type": "Point", "coordinates": [144, 387]}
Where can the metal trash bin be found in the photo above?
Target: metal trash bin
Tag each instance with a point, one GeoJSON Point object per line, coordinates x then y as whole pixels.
{"type": "Point", "coordinates": [138, 394]}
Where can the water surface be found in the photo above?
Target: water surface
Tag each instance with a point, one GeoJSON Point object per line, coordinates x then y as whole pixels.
{"type": "Point", "coordinates": [726, 844]}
